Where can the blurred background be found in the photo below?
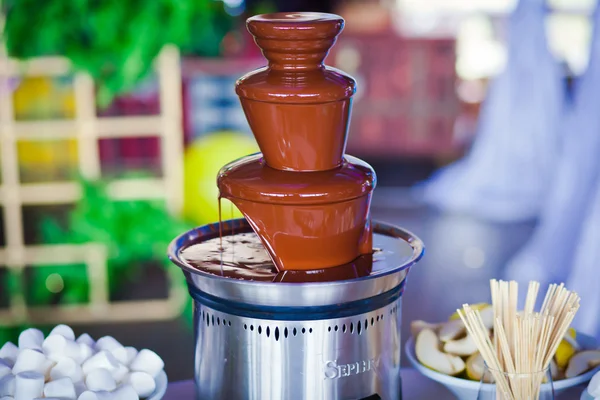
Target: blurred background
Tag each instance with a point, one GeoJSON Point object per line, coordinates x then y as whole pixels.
{"type": "Point", "coordinates": [116, 116]}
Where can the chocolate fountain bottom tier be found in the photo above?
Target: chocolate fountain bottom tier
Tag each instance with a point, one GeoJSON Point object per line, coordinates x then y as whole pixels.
{"type": "Point", "coordinates": [401, 249]}
{"type": "Point", "coordinates": [242, 256]}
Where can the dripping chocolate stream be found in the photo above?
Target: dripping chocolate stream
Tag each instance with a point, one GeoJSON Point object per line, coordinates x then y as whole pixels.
{"type": "Point", "coordinates": [220, 224]}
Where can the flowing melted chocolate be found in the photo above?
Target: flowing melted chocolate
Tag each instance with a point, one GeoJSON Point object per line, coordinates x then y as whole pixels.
{"type": "Point", "coordinates": [242, 256]}
{"type": "Point", "coordinates": [308, 203]}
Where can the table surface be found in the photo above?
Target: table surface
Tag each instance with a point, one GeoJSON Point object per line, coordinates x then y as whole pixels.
{"type": "Point", "coordinates": [414, 387]}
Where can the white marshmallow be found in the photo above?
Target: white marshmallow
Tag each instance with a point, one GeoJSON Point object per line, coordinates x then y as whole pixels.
{"type": "Point", "coordinates": [90, 395]}
{"type": "Point", "coordinates": [62, 388]}
{"type": "Point", "coordinates": [594, 385]}
{"type": "Point", "coordinates": [86, 339]}
{"type": "Point", "coordinates": [125, 355]}
{"type": "Point", "coordinates": [29, 385]}
{"type": "Point", "coordinates": [7, 385]}
{"type": "Point", "coordinates": [125, 392]}
{"type": "Point", "coordinates": [67, 368]}
{"type": "Point", "coordinates": [132, 353]}
{"type": "Point", "coordinates": [48, 365]}
{"type": "Point", "coordinates": [79, 388]}
{"type": "Point", "coordinates": [100, 379]}
{"type": "Point", "coordinates": [103, 359]}
{"type": "Point", "coordinates": [31, 339]}
{"type": "Point", "coordinates": [108, 343]}
{"type": "Point", "coordinates": [120, 374]}
{"type": "Point", "coordinates": [9, 352]}
{"type": "Point", "coordinates": [57, 346]}
{"type": "Point", "coordinates": [5, 369]}
{"type": "Point", "coordinates": [5, 363]}
{"type": "Point", "coordinates": [147, 361]}
{"type": "Point", "coordinates": [64, 331]}
{"type": "Point", "coordinates": [85, 352]}
{"type": "Point", "coordinates": [143, 384]}
{"type": "Point", "coordinates": [30, 360]}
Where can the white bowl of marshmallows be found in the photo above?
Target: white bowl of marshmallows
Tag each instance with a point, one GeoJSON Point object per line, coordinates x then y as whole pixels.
{"type": "Point", "coordinates": [62, 367]}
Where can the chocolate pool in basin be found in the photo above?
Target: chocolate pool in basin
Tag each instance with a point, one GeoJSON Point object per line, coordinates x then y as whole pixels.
{"type": "Point", "coordinates": [300, 299]}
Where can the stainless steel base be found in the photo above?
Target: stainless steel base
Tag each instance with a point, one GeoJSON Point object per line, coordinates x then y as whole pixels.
{"type": "Point", "coordinates": [348, 358]}
{"type": "Point", "coordinates": [298, 341]}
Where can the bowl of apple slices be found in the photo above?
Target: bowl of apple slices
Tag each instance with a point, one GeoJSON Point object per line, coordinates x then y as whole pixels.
{"type": "Point", "coordinates": [445, 353]}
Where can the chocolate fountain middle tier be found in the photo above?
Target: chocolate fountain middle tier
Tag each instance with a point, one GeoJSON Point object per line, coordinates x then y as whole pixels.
{"type": "Point", "coordinates": [306, 220]}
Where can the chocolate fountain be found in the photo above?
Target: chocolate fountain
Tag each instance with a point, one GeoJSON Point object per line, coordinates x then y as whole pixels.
{"type": "Point", "coordinates": [301, 298]}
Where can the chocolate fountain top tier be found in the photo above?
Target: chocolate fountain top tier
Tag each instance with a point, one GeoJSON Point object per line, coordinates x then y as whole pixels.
{"type": "Point", "coordinates": [295, 41]}
{"type": "Point", "coordinates": [297, 108]}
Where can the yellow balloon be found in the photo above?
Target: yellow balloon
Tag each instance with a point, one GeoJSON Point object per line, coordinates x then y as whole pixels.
{"type": "Point", "coordinates": [202, 162]}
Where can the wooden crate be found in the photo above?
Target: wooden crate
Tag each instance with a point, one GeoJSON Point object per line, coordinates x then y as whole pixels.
{"type": "Point", "coordinates": [406, 102]}
{"type": "Point", "coordinates": [87, 128]}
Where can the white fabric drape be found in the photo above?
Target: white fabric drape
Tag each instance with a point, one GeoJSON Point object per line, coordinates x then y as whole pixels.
{"type": "Point", "coordinates": [585, 275]}
{"type": "Point", "coordinates": [505, 175]}
{"type": "Point", "coordinates": [563, 243]}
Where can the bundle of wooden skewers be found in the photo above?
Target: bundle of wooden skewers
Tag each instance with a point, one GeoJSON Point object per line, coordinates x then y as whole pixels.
{"type": "Point", "coordinates": [524, 342]}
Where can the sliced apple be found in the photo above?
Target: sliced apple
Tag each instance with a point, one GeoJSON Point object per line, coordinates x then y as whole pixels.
{"type": "Point", "coordinates": [582, 362]}
{"type": "Point", "coordinates": [461, 347]}
{"type": "Point", "coordinates": [417, 326]}
{"type": "Point", "coordinates": [475, 367]}
{"type": "Point", "coordinates": [427, 349]}
{"type": "Point", "coordinates": [487, 315]}
{"type": "Point", "coordinates": [555, 371]}
{"type": "Point", "coordinates": [452, 330]}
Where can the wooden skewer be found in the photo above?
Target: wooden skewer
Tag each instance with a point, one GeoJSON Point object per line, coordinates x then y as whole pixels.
{"type": "Point", "coordinates": [532, 293]}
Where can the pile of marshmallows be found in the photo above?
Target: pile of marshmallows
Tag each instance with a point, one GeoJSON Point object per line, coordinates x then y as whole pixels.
{"type": "Point", "coordinates": [61, 367]}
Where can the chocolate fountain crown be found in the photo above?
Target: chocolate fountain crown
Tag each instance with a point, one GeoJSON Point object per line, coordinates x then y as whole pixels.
{"type": "Point", "coordinates": [279, 100]}
{"type": "Point", "coordinates": [295, 41]}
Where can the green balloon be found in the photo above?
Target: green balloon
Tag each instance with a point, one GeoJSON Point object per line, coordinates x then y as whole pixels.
{"type": "Point", "coordinates": [202, 162]}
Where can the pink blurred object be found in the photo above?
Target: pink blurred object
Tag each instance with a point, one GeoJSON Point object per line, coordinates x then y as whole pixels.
{"type": "Point", "coordinates": [405, 104]}
{"type": "Point", "coordinates": [119, 156]}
